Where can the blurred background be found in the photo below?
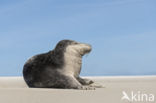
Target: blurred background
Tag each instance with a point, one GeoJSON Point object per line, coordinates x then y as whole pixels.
{"type": "Point", "coordinates": [121, 32]}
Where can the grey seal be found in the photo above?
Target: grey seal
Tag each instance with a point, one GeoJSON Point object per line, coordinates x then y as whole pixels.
{"type": "Point", "coordinates": [58, 68]}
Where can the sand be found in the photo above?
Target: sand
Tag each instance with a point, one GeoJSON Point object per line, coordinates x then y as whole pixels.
{"type": "Point", "coordinates": [14, 90]}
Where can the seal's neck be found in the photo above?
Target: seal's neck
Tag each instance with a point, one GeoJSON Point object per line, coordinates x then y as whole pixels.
{"type": "Point", "coordinates": [73, 64]}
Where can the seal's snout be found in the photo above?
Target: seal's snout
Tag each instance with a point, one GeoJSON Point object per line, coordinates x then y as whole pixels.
{"type": "Point", "coordinates": [77, 48]}
{"type": "Point", "coordinates": [85, 48]}
{"type": "Point", "coordinates": [88, 48]}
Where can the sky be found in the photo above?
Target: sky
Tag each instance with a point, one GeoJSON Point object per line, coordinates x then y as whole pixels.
{"type": "Point", "coordinates": [122, 33]}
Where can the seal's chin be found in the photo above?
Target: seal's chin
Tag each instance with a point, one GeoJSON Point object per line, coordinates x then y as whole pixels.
{"type": "Point", "coordinates": [85, 52]}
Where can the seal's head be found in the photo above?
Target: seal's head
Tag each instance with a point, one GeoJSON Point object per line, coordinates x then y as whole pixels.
{"type": "Point", "coordinates": [73, 47]}
{"type": "Point", "coordinates": [72, 53]}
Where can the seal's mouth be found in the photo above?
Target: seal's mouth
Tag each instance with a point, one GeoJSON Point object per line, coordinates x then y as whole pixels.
{"type": "Point", "coordinates": [88, 51]}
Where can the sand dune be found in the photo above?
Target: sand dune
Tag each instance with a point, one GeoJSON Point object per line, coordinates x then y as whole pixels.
{"type": "Point", "coordinates": [14, 90]}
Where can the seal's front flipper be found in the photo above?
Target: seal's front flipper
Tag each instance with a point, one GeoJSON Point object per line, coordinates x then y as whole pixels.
{"type": "Point", "coordinates": [85, 81]}
{"type": "Point", "coordinates": [97, 85]}
{"type": "Point", "coordinates": [73, 83]}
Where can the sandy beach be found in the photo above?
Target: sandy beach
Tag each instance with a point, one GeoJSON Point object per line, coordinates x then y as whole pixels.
{"type": "Point", "coordinates": [14, 90]}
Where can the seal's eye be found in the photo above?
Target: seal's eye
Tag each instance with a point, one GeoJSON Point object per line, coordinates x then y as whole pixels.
{"type": "Point", "coordinates": [75, 43]}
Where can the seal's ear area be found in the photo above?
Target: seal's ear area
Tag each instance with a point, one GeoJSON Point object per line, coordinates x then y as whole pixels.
{"type": "Point", "coordinates": [64, 43]}
{"type": "Point", "coordinates": [72, 42]}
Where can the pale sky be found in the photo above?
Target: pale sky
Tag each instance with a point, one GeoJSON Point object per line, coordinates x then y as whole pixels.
{"type": "Point", "coordinates": [121, 32]}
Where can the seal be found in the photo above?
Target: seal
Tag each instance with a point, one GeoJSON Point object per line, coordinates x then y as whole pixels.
{"type": "Point", "coordinates": [58, 68]}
